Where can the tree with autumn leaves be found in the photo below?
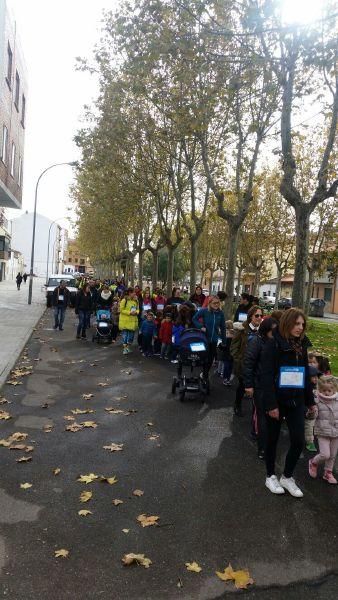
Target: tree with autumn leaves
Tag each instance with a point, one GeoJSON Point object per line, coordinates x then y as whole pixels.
{"type": "Point", "coordinates": [193, 96]}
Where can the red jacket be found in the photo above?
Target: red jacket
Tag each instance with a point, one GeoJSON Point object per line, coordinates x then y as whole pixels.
{"type": "Point", "coordinates": [166, 331]}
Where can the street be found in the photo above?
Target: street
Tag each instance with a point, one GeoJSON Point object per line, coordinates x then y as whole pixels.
{"type": "Point", "coordinates": [196, 466]}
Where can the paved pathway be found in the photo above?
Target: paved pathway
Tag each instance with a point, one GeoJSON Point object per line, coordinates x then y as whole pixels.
{"type": "Point", "coordinates": [17, 320]}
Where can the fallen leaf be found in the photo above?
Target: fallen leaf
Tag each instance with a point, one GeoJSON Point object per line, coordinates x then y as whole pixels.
{"type": "Point", "coordinates": [46, 405]}
{"type": "Point", "coordinates": [103, 384]}
{"type": "Point", "coordinates": [4, 401]}
{"type": "Point", "coordinates": [241, 578]}
{"type": "Point", "coordinates": [147, 521]}
{"type": "Point", "coordinates": [150, 424]}
{"type": "Point", "coordinates": [18, 437]}
{"type": "Point", "coordinates": [131, 411]}
{"type": "Point", "coordinates": [116, 502]}
{"type": "Point", "coordinates": [138, 493]}
{"type": "Point", "coordinates": [26, 486]}
{"type": "Point", "coordinates": [87, 396]}
{"type": "Point", "coordinates": [114, 411]}
{"type": "Point", "coordinates": [13, 382]}
{"type": "Point", "coordinates": [29, 448]}
{"type": "Point", "coordinates": [62, 553]}
{"type": "Point", "coordinates": [4, 415]}
{"type": "Point", "coordinates": [48, 428]}
{"type": "Point", "coordinates": [69, 418]}
{"type": "Point", "coordinates": [194, 566]}
{"type": "Point", "coordinates": [119, 398]}
{"type": "Point", "coordinates": [91, 424]}
{"type": "Point", "coordinates": [84, 513]}
{"type": "Point", "coordinates": [139, 559]}
{"type": "Point", "coordinates": [110, 480]}
{"type": "Point", "coordinates": [24, 459]}
{"type": "Point", "coordinates": [153, 437]}
{"type": "Point", "coordinates": [22, 447]}
{"type": "Point", "coordinates": [79, 411]}
{"type": "Point", "coordinates": [85, 496]}
{"type": "Point", "coordinates": [57, 471]}
{"type": "Point", "coordinates": [125, 530]}
{"type": "Point", "coordinates": [114, 447]}
{"type": "Point", "coordinates": [74, 427]}
{"type": "Point", "coordinates": [87, 478]}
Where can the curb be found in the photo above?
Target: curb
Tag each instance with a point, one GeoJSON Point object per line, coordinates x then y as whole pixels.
{"type": "Point", "coordinates": [13, 358]}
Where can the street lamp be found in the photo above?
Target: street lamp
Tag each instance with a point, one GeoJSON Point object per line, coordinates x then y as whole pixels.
{"type": "Point", "coordinates": [71, 164]}
{"type": "Point", "coordinates": [49, 231]}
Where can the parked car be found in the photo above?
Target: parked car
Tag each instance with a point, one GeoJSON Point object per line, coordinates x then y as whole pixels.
{"type": "Point", "coordinates": [54, 281]}
{"type": "Point", "coordinates": [284, 303]}
{"type": "Point", "coordinates": [267, 301]}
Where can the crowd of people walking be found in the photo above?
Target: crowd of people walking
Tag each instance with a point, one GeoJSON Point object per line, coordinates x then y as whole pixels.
{"type": "Point", "coordinates": [270, 357]}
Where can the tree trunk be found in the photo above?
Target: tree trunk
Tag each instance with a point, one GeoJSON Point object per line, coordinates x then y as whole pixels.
{"type": "Point", "coordinates": [210, 282]}
{"type": "Point", "coordinates": [278, 286]}
{"type": "Point", "coordinates": [126, 273]}
{"type": "Point", "coordinates": [309, 290]}
{"type": "Point", "coordinates": [170, 270]}
{"type": "Point", "coordinates": [232, 258]}
{"type": "Point", "coordinates": [193, 263]}
{"type": "Point", "coordinates": [224, 278]}
{"type": "Point", "coordinates": [240, 269]}
{"type": "Point", "coordinates": [257, 281]}
{"type": "Point", "coordinates": [132, 270]}
{"type": "Point", "coordinates": [155, 269]}
{"type": "Point", "coordinates": [302, 249]}
{"type": "Point", "coordinates": [140, 268]}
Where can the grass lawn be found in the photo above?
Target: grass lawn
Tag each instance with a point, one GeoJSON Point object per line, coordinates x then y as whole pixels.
{"type": "Point", "coordinates": [324, 338]}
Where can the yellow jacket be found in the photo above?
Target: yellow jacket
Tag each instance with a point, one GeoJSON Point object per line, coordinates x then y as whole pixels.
{"type": "Point", "coordinates": [127, 320]}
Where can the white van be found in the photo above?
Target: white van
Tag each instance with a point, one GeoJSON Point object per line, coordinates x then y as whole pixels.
{"type": "Point", "coordinates": [54, 281]}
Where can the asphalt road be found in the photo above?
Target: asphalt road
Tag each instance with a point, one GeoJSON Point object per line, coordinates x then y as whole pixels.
{"type": "Point", "coordinates": [196, 466]}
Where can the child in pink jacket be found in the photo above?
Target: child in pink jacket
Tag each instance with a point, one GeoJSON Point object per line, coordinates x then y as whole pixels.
{"type": "Point", "coordinates": [326, 428]}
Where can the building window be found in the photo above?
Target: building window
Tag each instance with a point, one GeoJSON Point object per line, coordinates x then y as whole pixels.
{"type": "Point", "coordinates": [20, 172]}
{"type": "Point", "coordinates": [4, 144]}
{"type": "Point", "coordinates": [17, 90]}
{"type": "Point", "coordinates": [23, 110]}
{"type": "Point", "coordinates": [9, 66]}
{"type": "Point", "coordinates": [327, 294]}
{"type": "Point", "coordinates": [13, 159]}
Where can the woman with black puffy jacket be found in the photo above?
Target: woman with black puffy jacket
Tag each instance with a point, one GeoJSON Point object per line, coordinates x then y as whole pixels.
{"type": "Point", "coordinates": [286, 391]}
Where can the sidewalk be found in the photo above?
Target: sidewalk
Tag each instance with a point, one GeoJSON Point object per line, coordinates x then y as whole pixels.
{"type": "Point", "coordinates": [17, 320]}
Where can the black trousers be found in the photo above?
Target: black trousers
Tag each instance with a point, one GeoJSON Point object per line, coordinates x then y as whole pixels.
{"type": "Point", "coordinates": [259, 420]}
{"type": "Point", "coordinates": [212, 354]}
{"type": "Point", "coordinates": [294, 417]}
{"type": "Point", "coordinates": [239, 393]}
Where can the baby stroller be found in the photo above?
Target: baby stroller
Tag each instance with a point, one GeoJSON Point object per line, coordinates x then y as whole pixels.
{"type": "Point", "coordinates": [103, 332]}
{"type": "Point", "coordinates": [193, 352]}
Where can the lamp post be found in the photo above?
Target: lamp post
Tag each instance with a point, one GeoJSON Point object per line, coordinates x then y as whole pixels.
{"type": "Point", "coordinates": [49, 231]}
{"type": "Point", "coordinates": [30, 291]}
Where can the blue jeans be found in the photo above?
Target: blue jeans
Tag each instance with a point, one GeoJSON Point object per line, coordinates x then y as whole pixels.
{"type": "Point", "coordinates": [84, 322]}
{"type": "Point", "coordinates": [59, 316]}
{"type": "Point", "coordinates": [127, 336]}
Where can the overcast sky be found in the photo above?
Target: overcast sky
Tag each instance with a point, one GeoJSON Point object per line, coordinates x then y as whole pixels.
{"type": "Point", "coordinates": [52, 35]}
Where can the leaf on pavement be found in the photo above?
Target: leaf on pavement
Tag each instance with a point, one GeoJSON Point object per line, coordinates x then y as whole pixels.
{"type": "Point", "coordinates": [13, 382]}
{"type": "Point", "coordinates": [24, 459]}
{"type": "Point", "coordinates": [147, 521]}
{"type": "Point", "coordinates": [4, 401]}
{"type": "Point", "coordinates": [87, 478]}
{"type": "Point", "coordinates": [48, 428]}
{"type": "Point", "coordinates": [84, 513]}
{"type": "Point", "coordinates": [241, 578]}
{"type": "Point", "coordinates": [138, 493]}
{"type": "Point", "coordinates": [4, 415]}
{"type": "Point", "coordinates": [87, 396]}
{"type": "Point", "coordinates": [57, 471]}
{"type": "Point", "coordinates": [150, 424]}
{"type": "Point", "coordinates": [22, 447]}
{"type": "Point", "coordinates": [194, 566]}
{"type": "Point", "coordinates": [116, 502]}
{"type": "Point", "coordinates": [86, 496]}
{"type": "Point", "coordinates": [69, 418]}
{"type": "Point", "coordinates": [79, 411]}
{"type": "Point", "coordinates": [91, 424]}
{"type": "Point", "coordinates": [130, 411]}
{"type": "Point", "coordinates": [119, 398]}
{"type": "Point", "coordinates": [102, 384]}
{"type": "Point", "coordinates": [139, 559]}
{"type": "Point", "coordinates": [74, 427]}
{"type": "Point", "coordinates": [26, 486]}
{"type": "Point", "coordinates": [154, 437]}
{"type": "Point", "coordinates": [62, 553]}
{"type": "Point", "coordinates": [114, 447]}
{"type": "Point", "coordinates": [110, 480]}
{"type": "Point", "coordinates": [114, 411]}
{"type": "Point", "coordinates": [125, 530]}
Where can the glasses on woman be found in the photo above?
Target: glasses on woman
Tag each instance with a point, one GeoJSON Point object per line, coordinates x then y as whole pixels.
{"type": "Point", "coordinates": [258, 316]}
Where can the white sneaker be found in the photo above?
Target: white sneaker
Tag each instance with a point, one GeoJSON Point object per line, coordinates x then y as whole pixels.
{"type": "Point", "coordinates": [289, 484]}
{"type": "Point", "coordinates": [272, 484]}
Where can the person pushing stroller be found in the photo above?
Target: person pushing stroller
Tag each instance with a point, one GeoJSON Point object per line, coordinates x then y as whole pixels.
{"type": "Point", "coordinates": [212, 322]}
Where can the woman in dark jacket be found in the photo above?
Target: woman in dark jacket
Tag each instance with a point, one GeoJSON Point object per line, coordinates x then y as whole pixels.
{"type": "Point", "coordinates": [252, 375]}
{"type": "Point", "coordinates": [286, 390]}
{"type": "Point", "coordinates": [83, 308]}
{"type": "Point", "coordinates": [198, 297]}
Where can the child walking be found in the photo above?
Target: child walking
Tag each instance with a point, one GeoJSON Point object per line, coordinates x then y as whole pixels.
{"type": "Point", "coordinates": [326, 428]}
{"type": "Point", "coordinates": [148, 331]}
{"type": "Point", "coordinates": [165, 336]}
{"type": "Point", "coordinates": [310, 417]}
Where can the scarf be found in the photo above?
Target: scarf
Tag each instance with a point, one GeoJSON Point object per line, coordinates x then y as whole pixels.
{"type": "Point", "coordinates": [105, 295]}
{"type": "Point", "coordinates": [296, 345]}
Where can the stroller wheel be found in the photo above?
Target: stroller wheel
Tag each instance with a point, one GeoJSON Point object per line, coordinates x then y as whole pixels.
{"type": "Point", "coordinates": [174, 386]}
{"type": "Point", "coordinates": [182, 395]}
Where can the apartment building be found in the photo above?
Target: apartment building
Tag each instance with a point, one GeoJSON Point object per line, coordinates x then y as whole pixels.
{"type": "Point", "coordinates": [75, 261]}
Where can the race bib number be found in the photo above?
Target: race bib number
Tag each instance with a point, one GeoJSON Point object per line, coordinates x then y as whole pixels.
{"type": "Point", "coordinates": [292, 377]}
{"type": "Point", "coordinates": [146, 306]}
{"type": "Point", "coordinates": [160, 306]}
{"type": "Point", "coordinates": [242, 317]}
{"type": "Point", "coordinates": [61, 297]}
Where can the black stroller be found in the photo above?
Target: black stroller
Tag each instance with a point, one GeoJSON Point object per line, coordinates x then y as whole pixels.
{"type": "Point", "coordinates": [193, 352]}
{"type": "Point", "coordinates": [103, 331]}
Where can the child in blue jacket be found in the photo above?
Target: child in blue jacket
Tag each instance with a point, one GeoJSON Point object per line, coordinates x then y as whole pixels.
{"type": "Point", "coordinates": [148, 331]}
